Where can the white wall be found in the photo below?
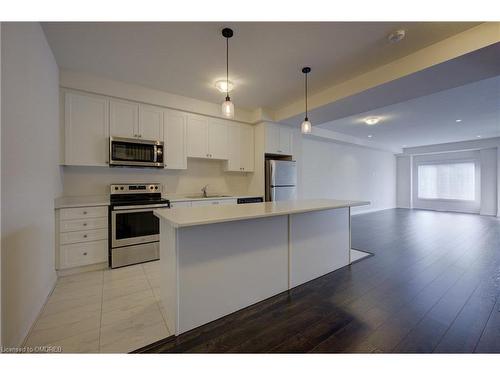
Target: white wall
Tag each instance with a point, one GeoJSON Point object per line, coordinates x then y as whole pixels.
{"type": "Point", "coordinates": [30, 175]}
{"type": "Point", "coordinates": [403, 181]}
{"type": "Point", "coordinates": [96, 180]}
{"type": "Point", "coordinates": [489, 188]}
{"type": "Point", "coordinates": [1, 337]}
{"type": "Point", "coordinates": [341, 171]}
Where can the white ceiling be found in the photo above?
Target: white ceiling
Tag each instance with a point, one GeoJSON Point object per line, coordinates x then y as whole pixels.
{"type": "Point", "coordinates": [431, 119]}
{"type": "Point", "coordinates": [265, 58]}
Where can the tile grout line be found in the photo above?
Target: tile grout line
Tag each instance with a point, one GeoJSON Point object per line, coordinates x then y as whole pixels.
{"type": "Point", "coordinates": [100, 315]}
{"type": "Point", "coordinates": [156, 301]}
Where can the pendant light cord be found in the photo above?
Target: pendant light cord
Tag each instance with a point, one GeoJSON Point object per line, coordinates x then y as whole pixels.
{"type": "Point", "coordinates": [227, 68]}
{"type": "Point", "coordinates": [306, 95]}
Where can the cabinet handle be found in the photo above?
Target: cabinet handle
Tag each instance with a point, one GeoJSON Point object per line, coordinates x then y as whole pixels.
{"type": "Point", "coordinates": [84, 236]}
{"type": "Point", "coordinates": [84, 224]}
{"type": "Point", "coordinates": [85, 212]}
{"type": "Point", "coordinates": [85, 253]}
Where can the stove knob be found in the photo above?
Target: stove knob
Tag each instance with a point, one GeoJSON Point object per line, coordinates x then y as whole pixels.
{"type": "Point", "coordinates": [116, 187]}
{"type": "Point", "coordinates": [156, 187]}
{"type": "Point", "coordinates": [121, 188]}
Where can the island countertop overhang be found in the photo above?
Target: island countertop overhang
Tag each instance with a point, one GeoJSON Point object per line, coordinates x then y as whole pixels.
{"type": "Point", "coordinates": [192, 216]}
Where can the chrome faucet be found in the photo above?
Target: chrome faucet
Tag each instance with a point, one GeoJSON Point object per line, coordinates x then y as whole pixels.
{"type": "Point", "coordinates": [204, 191]}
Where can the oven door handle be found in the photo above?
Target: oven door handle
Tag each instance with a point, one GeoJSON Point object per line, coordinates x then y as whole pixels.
{"type": "Point", "coordinates": [144, 207]}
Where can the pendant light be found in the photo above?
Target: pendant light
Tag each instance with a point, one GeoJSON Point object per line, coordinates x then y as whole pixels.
{"type": "Point", "coordinates": [227, 105]}
{"type": "Point", "coordinates": [306, 126]}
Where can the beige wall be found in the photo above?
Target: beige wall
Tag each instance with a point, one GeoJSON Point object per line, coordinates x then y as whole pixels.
{"type": "Point", "coordinates": [31, 177]}
{"type": "Point", "coordinates": [96, 180]}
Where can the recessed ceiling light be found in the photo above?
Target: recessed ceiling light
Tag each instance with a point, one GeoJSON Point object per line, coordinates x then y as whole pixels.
{"type": "Point", "coordinates": [372, 120]}
{"type": "Point", "coordinates": [396, 36]}
{"type": "Point", "coordinates": [458, 120]}
{"type": "Point", "coordinates": [370, 136]}
{"type": "Point", "coordinates": [478, 136]}
{"type": "Point", "coordinates": [222, 86]}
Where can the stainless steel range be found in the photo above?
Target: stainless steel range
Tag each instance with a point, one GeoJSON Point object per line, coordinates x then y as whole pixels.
{"type": "Point", "coordinates": [134, 236]}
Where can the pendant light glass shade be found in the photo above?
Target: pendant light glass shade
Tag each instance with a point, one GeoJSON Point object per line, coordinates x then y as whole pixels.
{"type": "Point", "coordinates": [228, 108]}
{"type": "Point", "coordinates": [306, 126]}
{"type": "Point", "coordinates": [227, 105]}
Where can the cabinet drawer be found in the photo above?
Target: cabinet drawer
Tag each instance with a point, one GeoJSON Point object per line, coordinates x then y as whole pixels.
{"type": "Point", "coordinates": [82, 254]}
{"type": "Point", "coordinates": [83, 236]}
{"type": "Point", "coordinates": [83, 212]}
{"type": "Point", "coordinates": [83, 224]}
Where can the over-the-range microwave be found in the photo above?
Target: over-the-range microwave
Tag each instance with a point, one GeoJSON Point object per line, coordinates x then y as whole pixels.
{"type": "Point", "coordinates": [131, 152]}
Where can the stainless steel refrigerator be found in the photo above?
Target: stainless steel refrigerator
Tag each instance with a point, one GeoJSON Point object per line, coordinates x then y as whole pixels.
{"type": "Point", "coordinates": [281, 180]}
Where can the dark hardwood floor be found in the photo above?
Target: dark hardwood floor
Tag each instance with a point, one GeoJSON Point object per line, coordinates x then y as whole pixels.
{"type": "Point", "coordinates": [433, 285]}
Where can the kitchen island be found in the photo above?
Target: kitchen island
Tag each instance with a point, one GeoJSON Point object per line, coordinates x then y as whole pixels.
{"type": "Point", "coordinates": [217, 260]}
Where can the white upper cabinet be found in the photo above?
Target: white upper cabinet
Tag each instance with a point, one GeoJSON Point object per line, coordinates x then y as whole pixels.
{"type": "Point", "coordinates": [86, 127]}
{"type": "Point", "coordinates": [124, 119]}
{"type": "Point", "coordinates": [247, 142]}
{"type": "Point", "coordinates": [197, 136]}
{"type": "Point", "coordinates": [151, 122]}
{"type": "Point", "coordinates": [134, 120]}
{"type": "Point", "coordinates": [240, 146]}
{"type": "Point", "coordinates": [217, 139]}
{"type": "Point", "coordinates": [206, 138]}
{"type": "Point", "coordinates": [278, 140]}
{"type": "Point", "coordinates": [175, 140]}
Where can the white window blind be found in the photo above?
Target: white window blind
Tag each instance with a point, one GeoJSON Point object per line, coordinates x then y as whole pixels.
{"type": "Point", "coordinates": [447, 181]}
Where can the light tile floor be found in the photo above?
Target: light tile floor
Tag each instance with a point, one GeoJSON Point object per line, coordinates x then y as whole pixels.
{"type": "Point", "coordinates": [110, 311]}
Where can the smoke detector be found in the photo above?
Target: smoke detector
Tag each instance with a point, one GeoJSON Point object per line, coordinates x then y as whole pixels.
{"type": "Point", "coordinates": [396, 36]}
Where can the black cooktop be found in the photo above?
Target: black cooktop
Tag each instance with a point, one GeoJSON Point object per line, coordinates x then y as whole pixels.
{"type": "Point", "coordinates": [137, 199]}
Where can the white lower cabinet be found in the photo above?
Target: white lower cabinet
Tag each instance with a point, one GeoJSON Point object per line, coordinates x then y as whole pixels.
{"type": "Point", "coordinates": [83, 254]}
{"type": "Point", "coordinates": [180, 204]}
{"type": "Point", "coordinates": [213, 202]}
{"type": "Point", "coordinates": [82, 236]}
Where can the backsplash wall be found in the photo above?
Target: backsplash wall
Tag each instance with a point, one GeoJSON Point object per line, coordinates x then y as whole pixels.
{"type": "Point", "coordinates": [79, 181]}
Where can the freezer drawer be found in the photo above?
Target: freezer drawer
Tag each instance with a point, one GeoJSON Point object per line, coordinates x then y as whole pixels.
{"type": "Point", "coordinates": [283, 193]}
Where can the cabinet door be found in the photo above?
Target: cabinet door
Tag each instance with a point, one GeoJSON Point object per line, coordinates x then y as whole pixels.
{"type": "Point", "coordinates": [285, 141]}
{"type": "Point", "coordinates": [151, 123]}
{"type": "Point", "coordinates": [246, 148]}
{"type": "Point", "coordinates": [197, 137]}
{"type": "Point", "coordinates": [86, 123]}
{"type": "Point", "coordinates": [124, 119]}
{"type": "Point", "coordinates": [272, 139]}
{"type": "Point", "coordinates": [233, 148]}
{"type": "Point", "coordinates": [217, 139]}
{"type": "Point", "coordinates": [175, 140]}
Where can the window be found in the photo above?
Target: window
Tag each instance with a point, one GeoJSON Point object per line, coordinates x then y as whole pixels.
{"type": "Point", "coordinates": [447, 181]}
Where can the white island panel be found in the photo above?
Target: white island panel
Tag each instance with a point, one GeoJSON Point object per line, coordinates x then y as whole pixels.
{"type": "Point", "coordinates": [319, 244]}
{"type": "Point", "coordinates": [225, 267]}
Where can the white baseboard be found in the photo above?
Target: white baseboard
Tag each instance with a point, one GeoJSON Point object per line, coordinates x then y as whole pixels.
{"type": "Point", "coordinates": [371, 211]}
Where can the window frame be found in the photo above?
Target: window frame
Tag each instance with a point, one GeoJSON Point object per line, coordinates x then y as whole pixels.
{"type": "Point", "coordinates": [450, 161]}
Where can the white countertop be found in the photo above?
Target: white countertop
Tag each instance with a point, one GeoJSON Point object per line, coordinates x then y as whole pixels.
{"type": "Point", "coordinates": [82, 201]}
{"type": "Point", "coordinates": [191, 216]}
{"type": "Point", "coordinates": [103, 200]}
{"type": "Point", "coordinates": [183, 198]}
